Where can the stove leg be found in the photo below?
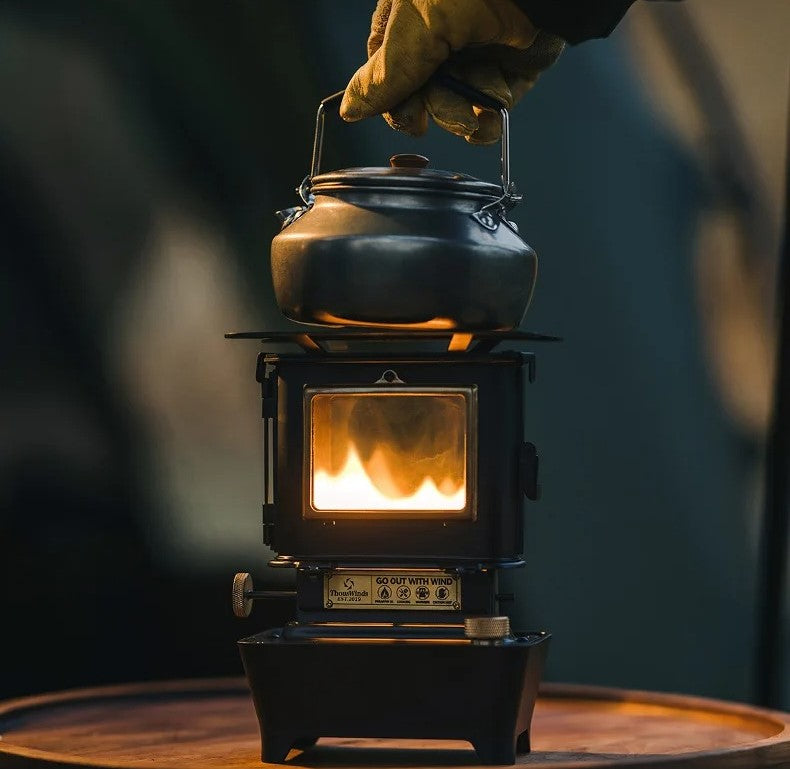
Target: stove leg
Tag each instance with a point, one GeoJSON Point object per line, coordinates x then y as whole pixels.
{"type": "Point", "coordinates": [275, 748]}
{"type": "Point", "coordinates": [303, 743]}
{"type": "Point", "coordinates": [495, 749]}
{"type": "Point", "coordinates": [522, 743]}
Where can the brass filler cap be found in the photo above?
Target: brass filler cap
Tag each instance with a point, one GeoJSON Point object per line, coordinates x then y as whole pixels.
{"type": "Point", "coordinates": [487, 628]}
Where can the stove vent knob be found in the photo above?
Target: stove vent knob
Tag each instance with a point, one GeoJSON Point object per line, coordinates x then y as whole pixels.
{"type": "Point", "coordinates": [487, 628]}
{"type": "Point", "coordinates": [242, 585]}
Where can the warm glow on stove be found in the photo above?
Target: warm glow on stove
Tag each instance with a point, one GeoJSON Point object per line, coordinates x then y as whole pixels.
{"type": "Point", "coordinates": [353, 489]}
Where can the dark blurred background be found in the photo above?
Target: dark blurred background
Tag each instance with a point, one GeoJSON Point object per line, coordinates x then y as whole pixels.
{"type": "Point", "coordinates": [144, 147]}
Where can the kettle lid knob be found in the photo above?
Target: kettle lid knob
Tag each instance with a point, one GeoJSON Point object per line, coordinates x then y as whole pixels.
{"type": "Point", "coordinates": [409, 161]}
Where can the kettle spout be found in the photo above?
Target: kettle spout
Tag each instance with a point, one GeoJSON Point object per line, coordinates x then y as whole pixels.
{"type": "Point", "coordinates": [289, 215]}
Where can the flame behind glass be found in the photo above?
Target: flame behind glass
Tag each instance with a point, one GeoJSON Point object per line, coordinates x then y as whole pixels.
{"type": "Point", "coordinates": [393, 451]}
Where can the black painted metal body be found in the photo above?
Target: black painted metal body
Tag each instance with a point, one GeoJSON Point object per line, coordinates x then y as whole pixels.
{"type": "Point", "coordinates": [431, 688]}
{"type": "Point", "coordinates": [394, 670]}
{"type": "Point", "coordinates": [492, 537]}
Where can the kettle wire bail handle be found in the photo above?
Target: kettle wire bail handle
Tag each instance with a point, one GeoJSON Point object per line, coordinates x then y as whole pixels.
{"type": "Point", "coordinates": [480, 99]}
{"type": "Point", "coordinates": [318, 139]}
{"type": "Point", "coordinates": [444, 78]}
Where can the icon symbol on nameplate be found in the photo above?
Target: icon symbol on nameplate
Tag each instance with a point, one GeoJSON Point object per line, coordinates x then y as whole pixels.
{"type": "Point", "coordinates": [442, 593]}
{"type": "Point", "coordinates": [384, 593]}
{"type": "Point", "coordinates": [422, 593]}
{"type": "Point", "coordinates": [404, 593]}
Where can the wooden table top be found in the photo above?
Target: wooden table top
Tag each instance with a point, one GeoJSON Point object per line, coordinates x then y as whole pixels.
{"type": "Point", "coordinates": [207, 724]}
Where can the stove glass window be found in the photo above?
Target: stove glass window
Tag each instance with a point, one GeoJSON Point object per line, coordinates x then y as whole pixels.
{"type": "Point", "coordinates": [404, 451]}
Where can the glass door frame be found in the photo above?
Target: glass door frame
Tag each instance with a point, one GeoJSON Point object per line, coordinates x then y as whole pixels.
{"type": "Point", "coordinates": [467, 513]}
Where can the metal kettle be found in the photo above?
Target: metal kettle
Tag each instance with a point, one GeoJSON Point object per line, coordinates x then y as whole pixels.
{"type": "Point", "coordinates": [405, 246]}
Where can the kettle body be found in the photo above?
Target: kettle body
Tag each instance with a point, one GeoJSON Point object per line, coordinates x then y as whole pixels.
{"type": "Point", "coordinates": [402, 247]}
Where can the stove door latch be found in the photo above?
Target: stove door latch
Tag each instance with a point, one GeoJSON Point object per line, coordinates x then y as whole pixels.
{"type": "Point", "coordinates": [528, 471]}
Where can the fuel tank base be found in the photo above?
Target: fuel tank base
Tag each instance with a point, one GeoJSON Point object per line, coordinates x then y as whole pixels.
{"type": "Point", "coordinates": [305, 686]}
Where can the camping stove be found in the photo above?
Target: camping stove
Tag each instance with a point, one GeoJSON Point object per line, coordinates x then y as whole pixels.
{"type": "Point", "coordinates": [393, 487]}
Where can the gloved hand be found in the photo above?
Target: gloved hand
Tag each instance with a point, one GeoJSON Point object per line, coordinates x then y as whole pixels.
{"type": "Point", "coordinates": [489, 44]}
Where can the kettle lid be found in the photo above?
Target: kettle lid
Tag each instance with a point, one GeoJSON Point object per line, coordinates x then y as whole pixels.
{"type": "Point", "coordinates": [406, 171]}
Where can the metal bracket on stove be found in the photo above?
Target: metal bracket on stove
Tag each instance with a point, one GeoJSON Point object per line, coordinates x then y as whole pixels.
{"type": "Point", "coordinates": [389, 377]}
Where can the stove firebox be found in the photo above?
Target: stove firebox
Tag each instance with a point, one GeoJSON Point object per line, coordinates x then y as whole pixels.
{"type": "Point", "coordinates": [394, 486]}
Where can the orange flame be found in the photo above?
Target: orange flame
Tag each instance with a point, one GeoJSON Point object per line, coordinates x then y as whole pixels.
{"type": "Point", "coordinates": [353, 489]}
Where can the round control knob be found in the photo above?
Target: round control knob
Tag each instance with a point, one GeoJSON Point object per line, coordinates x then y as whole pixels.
{"type": "Point", "coordinates": [487, 628]}
{"type": "Point", "coordinates": [242, 584]}
{"type": "Point", "coordinates": [409, 161]}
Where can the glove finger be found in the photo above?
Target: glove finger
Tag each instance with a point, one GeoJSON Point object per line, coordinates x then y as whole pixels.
{"type": "Point", "coordinates": [522, 74]}
{"type": "Point", "coordinates": [449, 110]}
{"type": "Point", "coordinates": [519, 85]}
{"type": "Point", "coordinates": [409, 55]}
{"type": "Point", "coordinates": [546, 49]}
{"type": "Point", "coordinates": [530, 63]}
{"type": "Point", "coordinates": [520, 68]}
{"type": "Point", "coordinates": [489, 128]}
{"type": "Point", "coordinates": [486, 77]}
{"type": "Point", "coordinates": [496, 21]}
{"type": "Point", "coordinates": [378, 25]}
{"type": "Point", "coordinates": [409, 116]}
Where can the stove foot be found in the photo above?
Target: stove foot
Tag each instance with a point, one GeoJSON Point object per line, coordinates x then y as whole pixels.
{"type": "Point", "coordinates": [493, 753]}
{"type": "Point", "coordinates": [275, 748]}
{"type": "Point", "coordinates": [500, 747]}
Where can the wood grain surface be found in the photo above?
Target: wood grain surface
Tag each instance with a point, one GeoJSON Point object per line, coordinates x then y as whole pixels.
{"type": "Point", "coordinates": [208, 724]}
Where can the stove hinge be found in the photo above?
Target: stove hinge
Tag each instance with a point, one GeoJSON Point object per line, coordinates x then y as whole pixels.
{"type": "Point", "coordinates": [266, 375]}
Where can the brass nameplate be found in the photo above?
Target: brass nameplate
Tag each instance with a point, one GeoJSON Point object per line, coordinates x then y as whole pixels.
{"type": "Point", "coordinates": [387, 590]}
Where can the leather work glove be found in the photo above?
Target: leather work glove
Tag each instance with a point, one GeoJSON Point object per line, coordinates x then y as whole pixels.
{"type": "Point", "coordinates": [489, 44]}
